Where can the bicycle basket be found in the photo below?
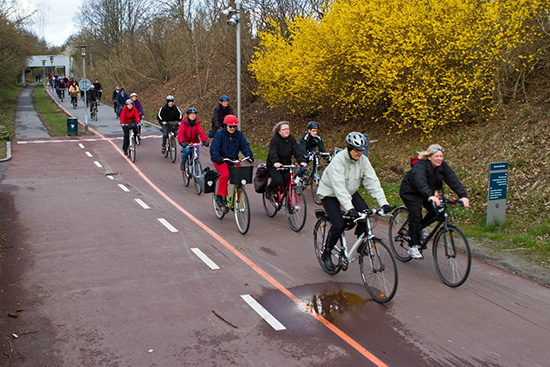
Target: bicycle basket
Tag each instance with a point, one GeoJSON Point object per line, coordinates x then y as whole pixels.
{"type": "Point", "coordinates": [240, 175]}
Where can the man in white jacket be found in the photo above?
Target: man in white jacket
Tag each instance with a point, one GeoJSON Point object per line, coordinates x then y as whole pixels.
{"type": "Point", "coordinates": [339, 185]}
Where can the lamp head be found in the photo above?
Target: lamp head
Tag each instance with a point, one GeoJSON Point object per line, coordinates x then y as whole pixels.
{"type": "Point", "coordinates": [234, 20]}
{"type": "Point", "coordinates": [228, 11]}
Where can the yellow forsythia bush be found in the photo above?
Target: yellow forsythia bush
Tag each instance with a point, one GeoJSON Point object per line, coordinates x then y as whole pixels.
{"type": "Point", "coordinates": [414, 64]}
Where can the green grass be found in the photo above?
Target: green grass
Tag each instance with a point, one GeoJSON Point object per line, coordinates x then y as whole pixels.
{"type": "Point", "coordinates": [8, 103]}
{"type": "Point", "coordinates": [53, 118]}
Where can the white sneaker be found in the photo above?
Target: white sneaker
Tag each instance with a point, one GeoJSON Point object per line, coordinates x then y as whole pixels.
{"type": "Point", "coordinates": [415, 252]}
{"type": "Point", "coordinates": [297, 181]}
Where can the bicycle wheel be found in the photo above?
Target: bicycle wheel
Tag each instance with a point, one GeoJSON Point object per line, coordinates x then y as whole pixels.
{"type": "Point", "coordinates": [197, 169]}
{"type": "Point", "coordinates": [270, 206]}
{"type": "Point", "coordinates": [452, 256]}
{"type": "Point", "coordinates": [220, 213]}
{"type": "Point", "coordinates": [185, 172]}
{"type": "Point", "coordinates": [315, 180]}
{"type": "Point", "coordinates": [378, 270]}
{"type": "Point", "coordinates": [320, 236]}
{"type": "Point", "coordinates": [172, 148]}
{"type": "Point", "coordinates": [296, 209]}
{"type": "Point", "coordinates": [241, 208]}
{"type": "Point", "coordinates": [132, 148]}
{"type": "Point", "coordinates": [399, 223]}
{"type": "Point", "coordinates": [168, 148]}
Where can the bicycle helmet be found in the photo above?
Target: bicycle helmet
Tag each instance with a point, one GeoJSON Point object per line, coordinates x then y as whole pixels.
{"type": "Point", "coordinates": [129, 101]}
{"type": "Point", "coordinates": [92, 86]}
{"type": "Point", "coordinates": [191, 110]}
{"type": "Point", "coordinates": [170, 99]}
{"type": "Point", "coordinates": [133, 94]}
{"type": "Point", "coordinates": [356, 140]}
{"type": "Point", "coordinates": [312, 125]}
{"type": "Point", "coordinates": [224, 98]}
{"type": "Point", "coordinates": [231, 120]}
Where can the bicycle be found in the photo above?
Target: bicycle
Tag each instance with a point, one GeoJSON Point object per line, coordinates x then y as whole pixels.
{"type": "Point", "coordinates": [451, 251]}
{"type": "Point", "coordinates": [171, 143]}
{"type": "Point", "coordinates": [74, 101]}
{"type": "Point", "coordinates": [93, 111]}
{"type": "Point", "coordinates": [291, 198]}
{"type": "Point", "coordinates": [377, 264]}
{"type": "Point", "coordinates": [192, 171]}
{"type": "Point", "coordinates": [313, 175]}
{"type": "Point", "coordinates": [132, 142]}
{"type": "Point", "coordinates": [238, 201]}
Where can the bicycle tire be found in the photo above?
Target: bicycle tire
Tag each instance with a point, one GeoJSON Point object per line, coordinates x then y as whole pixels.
{"type": "Point", "coordinates": [452, 256]}
{"type": "Point", "coordinates": [172, 148]}
{"type": "Point", "coordinates": [132, 148]}
{"type": "Point", "coordinates": [398, 234]}
{"type": "Point", "coordinates": [296, 208]}
{"type": "Point", "coordinates": [270, 206]}
{"type": "Point", "coordinates": [218, 211]}
{"type": "Point", "coordinates": [241, 207]}
{"type": "Point", "coordinates": [378, 270]}
{"type": "Point", "coordinates": [320, 236]}
{"type": "Point", "coordinates": [315, 180]}
{"type": "Point", "coordinates": [197, 169]}
{"type": "Point", "coordinates": [185, 172]}
{"type": "Point", "coordinates": [167, 150]}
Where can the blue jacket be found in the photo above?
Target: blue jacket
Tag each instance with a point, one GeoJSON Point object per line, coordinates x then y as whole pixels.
{"type": "Point", "coordinates": [121, 99]}
{"type": "Point", "coordinates": [226, 145]}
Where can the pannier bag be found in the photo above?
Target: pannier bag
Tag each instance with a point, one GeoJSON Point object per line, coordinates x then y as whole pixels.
{"type": "Point", "coordinates": [260, 180]}
{"type": "Point", "coordinates": [208, 180]}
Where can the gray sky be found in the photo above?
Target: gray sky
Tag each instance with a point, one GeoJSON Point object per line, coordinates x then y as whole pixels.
{"type": "Point", "coordinates": [55, 20]}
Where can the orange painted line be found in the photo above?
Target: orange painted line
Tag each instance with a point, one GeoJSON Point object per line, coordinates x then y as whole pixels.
{"type": "Point", "coordinates": [346, 338]}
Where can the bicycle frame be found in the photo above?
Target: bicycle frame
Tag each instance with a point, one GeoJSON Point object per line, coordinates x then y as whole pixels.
{"type": "Point", "coordinates": [284, 195]}
{"type": "Point", "coordinates": [365, 236]}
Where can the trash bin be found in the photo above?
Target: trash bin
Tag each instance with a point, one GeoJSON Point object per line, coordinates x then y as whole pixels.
{"type": "Point", "coordinates": [72, 126]}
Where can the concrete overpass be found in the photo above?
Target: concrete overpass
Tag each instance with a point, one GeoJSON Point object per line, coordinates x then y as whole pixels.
{"type": "Point", "coordinates": [43, 64]}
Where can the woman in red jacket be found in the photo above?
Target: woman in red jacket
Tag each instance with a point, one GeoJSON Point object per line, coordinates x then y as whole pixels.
{"type": "Point", "coordinates": [190, 132]}
{"type": "Point", "coordinates": [129, 119]}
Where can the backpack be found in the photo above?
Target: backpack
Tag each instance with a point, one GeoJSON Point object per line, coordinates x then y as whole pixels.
{"type": "Point", "coordinates": [260, 179]}
{"type": "Point", "coordinates": [414, 160]}
{"type": "Point", "coordinates": [207, 180]}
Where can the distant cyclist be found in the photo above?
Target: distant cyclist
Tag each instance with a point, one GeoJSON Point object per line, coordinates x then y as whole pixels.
{"type": "Point", "coordinates": [221, 110]}
{"type": "Point", "coordinates": [121, 99]}
{"type": "Point", "coordinates": [129, 119]}
{"type": "Point", "coordinates": [309, 142]}
{"type": "Point", "coordinates": [339, 188]}
{"type": "Point", "coordinates": [99, 89]}
{"type": "Point", "coordinates": [139, 107]}
{"type": "Point", "coordinates": [169, 117]}
{"type": "Point", "coordinates": [190, 132]}
{"type": "Point", "coordinates": [115, 94]}
{"type": "Point", "coordinates": [73, 91]}
{"type": "Point", "coordinates": [92, 97]}
{"type": "Point", "coordinates": [227, 143]}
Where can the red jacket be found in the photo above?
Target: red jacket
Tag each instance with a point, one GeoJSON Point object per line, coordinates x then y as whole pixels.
{"type": "Point", "coordinates": [190, 134]}
{"type": "Point", "coordinates": [127, 115]}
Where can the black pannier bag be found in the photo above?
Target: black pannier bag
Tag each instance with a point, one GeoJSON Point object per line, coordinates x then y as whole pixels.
{"type": "Point", "coordinates": [260, 179]}
{"type": "Point", "coordinates": [208, 180]}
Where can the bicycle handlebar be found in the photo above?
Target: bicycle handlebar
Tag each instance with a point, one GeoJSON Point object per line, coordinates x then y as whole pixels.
{"type": "Point", "coordinates": [369, 212]}
{"type": "Point", "coordinates": [238, 160]}
{"type": "Point", "coordinates": [287, 167]}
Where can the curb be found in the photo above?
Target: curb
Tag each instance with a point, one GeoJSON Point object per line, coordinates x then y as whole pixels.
{"type": "Point", "coordinates": [8, 148]}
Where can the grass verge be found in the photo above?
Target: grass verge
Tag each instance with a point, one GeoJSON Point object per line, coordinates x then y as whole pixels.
{"type": "Point", "coordinates": [8, 101]}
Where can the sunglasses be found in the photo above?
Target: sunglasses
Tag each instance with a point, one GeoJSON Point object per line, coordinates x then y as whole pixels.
{"type": "Point", "coordinates": [232, 127]}
{"type": "Point", "coordinates": [436, 149]}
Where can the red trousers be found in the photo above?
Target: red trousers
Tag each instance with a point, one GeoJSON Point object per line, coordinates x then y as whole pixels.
{"type": "Point", "coordinates": [224, 178]}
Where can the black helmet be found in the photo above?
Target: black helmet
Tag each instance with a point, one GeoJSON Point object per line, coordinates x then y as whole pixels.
{"type": "Point", "coordinates": [312, 125]}
{"type": "Point", "coordinates": [191, 110]}
{"type": "Point", "coordinates": [356, 140]}
{"type": "Point", "coordinates": [170, 98]}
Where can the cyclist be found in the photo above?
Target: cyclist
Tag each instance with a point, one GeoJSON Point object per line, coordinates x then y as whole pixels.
{"type": "Point", "coordinates": [139, 107]}
{"type": "Point", "coordinates": [99, 89]}
{"type": "Point", "coordinates": [309, 142]}
{"type": "Point", "coordinates": [169, 117]}
{"type": "Point", "coordinates": [341, 180]}
{"type": "Point", "coordinates": [221, 110]}
{"type": "Point", "coordinates": [73, 91]}
{"type": "Point", "coordinates": [281, 149]}
{"type": "Point", "coordinates": [190, 132]}
{"type": "Point", "coordinates": [227, 144]}
{"type": "Point", "coordinates": [421, 187]}
{"type": "Point", "coordinates": [61, 87]}
{"type": "Point", "coordinates": [128, 115]}
{"type": "Point", "coordinates": [115, 94]}
{"type": "Point", "coordinates": [121, 99]}
{"type": "Point", "coordinates": [92, 97]}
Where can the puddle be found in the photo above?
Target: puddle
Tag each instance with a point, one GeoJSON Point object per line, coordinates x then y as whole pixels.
{"type": "Point", "coordinates": [330, 305]}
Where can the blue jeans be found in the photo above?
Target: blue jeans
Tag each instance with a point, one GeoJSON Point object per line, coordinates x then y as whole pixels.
{"type": "Point", "coordinates": [185, 152]}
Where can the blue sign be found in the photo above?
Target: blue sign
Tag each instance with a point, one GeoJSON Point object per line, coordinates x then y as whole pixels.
{"type": "Point", "coordinates": [498, 183]}
{"type": "Point", "coordinates": [498, 166]}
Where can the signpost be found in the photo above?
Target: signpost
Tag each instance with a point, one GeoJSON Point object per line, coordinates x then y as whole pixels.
{"type": "Point", "coordinates": [498, 185]}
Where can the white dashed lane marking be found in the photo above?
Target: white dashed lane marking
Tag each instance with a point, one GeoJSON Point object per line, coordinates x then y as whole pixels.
{"type": "Point", "coordinates": [98, 164]}
{"type": "Point", "coordinates": [143, 205]}
{"type": "Point", "coordinates": [81, 145]}
{"type": "Point", "coordinates": [89, 154]}
{"type": "Point", "coordinates": [165, 223]}
{"type": "Point", "coordinates": [260, 310]}
{"type": "Point", "coordinates": [205, 259]}
{"type": "Point", "coordinates": [124, 188]}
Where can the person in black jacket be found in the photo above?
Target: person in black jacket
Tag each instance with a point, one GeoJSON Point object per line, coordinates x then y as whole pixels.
{"type": "Point", "coordinates": [422, 187]}
{"type": "Point", "coordinates": [281, 149]}
{"type": "Point", "coordinates": [169, 117]}
{"type": "Point", "coordinates": [221, 110]}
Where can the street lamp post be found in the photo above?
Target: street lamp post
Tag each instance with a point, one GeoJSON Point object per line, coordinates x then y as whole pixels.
{"type": "Point", "coordinates": [51, 61]}
{"type": "Point", "coordinates": [235, 21]}
{"type": "Point", "coordinates": [85, 91]}
{"type": "Point", "coordinates": [44, 73]}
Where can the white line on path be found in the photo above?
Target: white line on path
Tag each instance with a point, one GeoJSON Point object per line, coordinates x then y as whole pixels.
{"type": "Point", "coordinates": [81, 145]}
{"type": "Point", "coordinates": [79, 140]}
{"type": "Point", "coordinates": [205, 259]}
{"type": "Point", "coordinates": [275, 324]}
{"type": "Point", "coordinates": [111, 177]}
{"type": "Point", "coordinates": [89, 154]}
{"type": "Point", "coordinates": [124, 188]}
{"type": "Point", "coordinates": [98, 164]}
{"type": "Point", "coordinates": [165, 223]}
{"type": "Point", "coordinates": [143, 205]}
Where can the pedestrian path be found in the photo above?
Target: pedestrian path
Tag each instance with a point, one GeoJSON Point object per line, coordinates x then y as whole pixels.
{"type": "Point", "coordinates": [27, 123]}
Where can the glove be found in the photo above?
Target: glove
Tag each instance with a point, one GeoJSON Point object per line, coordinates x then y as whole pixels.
{"type": "Point", "coordinates": [387, 208]}
{"type": "Point", "coordinates": [352, 213]}
{"type": "Point", "coordinates": [184, 144]}
{"type": "Point", "coordinates": [219, 161]}
{"type": "Point", "coordinates": [206, 143]}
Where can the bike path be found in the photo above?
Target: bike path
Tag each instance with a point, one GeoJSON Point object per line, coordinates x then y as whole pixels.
{"type": "Point", "coordinates": [27, 123]}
